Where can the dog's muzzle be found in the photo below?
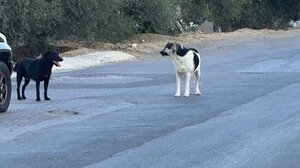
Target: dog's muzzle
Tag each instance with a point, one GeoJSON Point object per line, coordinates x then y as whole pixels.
{"type": "Point", "coordinates": [56, 63]}
{"type": "Point", "coordinates": [163, 53]}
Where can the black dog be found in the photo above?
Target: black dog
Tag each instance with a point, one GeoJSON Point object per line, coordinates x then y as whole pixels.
{"type": "Point", "coordinates": [38, 70]}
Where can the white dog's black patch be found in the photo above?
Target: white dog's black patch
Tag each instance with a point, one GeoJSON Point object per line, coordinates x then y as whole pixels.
{"type": "Point", "coordinates": [196, 60]}
{"type": "Point", "coordinates": [180, 50]}
{"type": "Point", "coordinates": [187, 62]}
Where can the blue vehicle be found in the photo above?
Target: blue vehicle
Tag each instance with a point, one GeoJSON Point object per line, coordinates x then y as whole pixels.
{"type": "Point", "coordinates": [5, 73]}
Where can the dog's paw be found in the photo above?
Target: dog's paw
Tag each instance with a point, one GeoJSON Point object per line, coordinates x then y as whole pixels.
{"type": "Point", "coordinates": [186, 94]}
{"type": "Point", "coordinates": [198, 93]}
{"type": "Point", "coordinates": [177, 95]}
{"type": "Point", "coordinates": [19, 98]}
{"type": "Point", "coordinates": [38, 99]}
{"type": "Point", "coordinates": [47, 98]}
{"type": "Point", "coordinates": [23, 97]}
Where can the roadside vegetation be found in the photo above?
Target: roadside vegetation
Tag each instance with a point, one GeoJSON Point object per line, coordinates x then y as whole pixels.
{"type": "Point", "coordinates": [38, 24]}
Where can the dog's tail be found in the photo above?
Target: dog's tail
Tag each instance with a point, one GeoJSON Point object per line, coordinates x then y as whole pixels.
{"type": "Point", "coordinates": [16, 66]}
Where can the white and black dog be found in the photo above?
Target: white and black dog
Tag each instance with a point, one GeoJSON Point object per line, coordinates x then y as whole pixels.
{"type": "Point", "coordinates": [187, 64]}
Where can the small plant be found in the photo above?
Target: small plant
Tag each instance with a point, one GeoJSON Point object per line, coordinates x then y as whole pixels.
{"type": "Point", "coordinates": [193, 26]}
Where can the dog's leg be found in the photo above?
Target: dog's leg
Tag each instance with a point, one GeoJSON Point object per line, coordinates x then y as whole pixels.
{"type": "Point", "coordinates": [178, 82]}
{"type": "Point", "coordinates": [27, 80]}
{"type": "Point", "coordinates": [19, 80]}
{"type": "Point", "coordinates": [46, 83]}
{"type": "Point", "coordinates": [197, 76]}
{"type": "Point", "coordinates": [187, 84]}
{"type": "Point", "coordinates": [38, 91]}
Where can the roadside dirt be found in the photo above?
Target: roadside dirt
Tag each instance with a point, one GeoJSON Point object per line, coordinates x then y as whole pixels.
{"type": "Point", "coordinates": [144, 44]}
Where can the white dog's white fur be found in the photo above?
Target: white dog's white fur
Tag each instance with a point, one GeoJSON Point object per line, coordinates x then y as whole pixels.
{"type": "Point", "coordinates": [187, 64]}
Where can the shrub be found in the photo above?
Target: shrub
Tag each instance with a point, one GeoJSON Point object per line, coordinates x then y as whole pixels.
{"type": "Point", "coordinates": [156, 16]}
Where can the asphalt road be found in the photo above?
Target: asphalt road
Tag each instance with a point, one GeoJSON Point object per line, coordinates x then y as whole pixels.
{"type": "Point", "coordinates": [125, 115]}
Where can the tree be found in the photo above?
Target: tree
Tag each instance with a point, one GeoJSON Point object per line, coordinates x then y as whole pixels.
{"type": "Point", "coordinates": [93, 19]}
{"type": "Point", "coordinates": [14, 20]}
{"type": "Point", "coordinates": [44, 21]}
{"type": "Point", "coordinates": [156, 16]}
{"type": "Point", "coordinates": [225, 13]}
{"type": "Point", "coordinates": [37, 23]}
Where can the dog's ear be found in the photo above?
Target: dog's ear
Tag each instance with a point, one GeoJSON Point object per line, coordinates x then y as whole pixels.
{"type": "Point", "coordinates": [47, 54]}
{"type": "Point", "coordinates": [178, 46]}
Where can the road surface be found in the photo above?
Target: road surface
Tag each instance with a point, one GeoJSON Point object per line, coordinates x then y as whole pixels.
{"type": "Point", "coordinates": [125, 115]}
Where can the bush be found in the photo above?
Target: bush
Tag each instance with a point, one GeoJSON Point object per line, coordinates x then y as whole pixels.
{"type": "Point", "coordinates": [38, 23]}
{"type": "Point", "coordinates": [156, 16]}
{"type": "Point", "coordinates": [30, 23]}
{"type": "Point", "coordinates": [14, 20]}
{"type": "Point", "coordinates": [43, 23]}
{"type": "Point", "coordinates": [100, 20]}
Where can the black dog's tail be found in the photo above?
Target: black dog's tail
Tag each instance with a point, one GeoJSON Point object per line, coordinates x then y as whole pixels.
{"type": "Point", "coordinates": [16, 66]}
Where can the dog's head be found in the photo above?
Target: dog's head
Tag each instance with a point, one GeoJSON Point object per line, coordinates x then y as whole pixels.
{"type": "Point", "coordinates": [53, 57]}
{"type": "Point", "coordinates": [170, 49]}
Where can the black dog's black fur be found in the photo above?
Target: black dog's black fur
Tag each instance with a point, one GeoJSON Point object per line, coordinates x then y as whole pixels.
{"type": "Point", "coordinates": [38, 70]}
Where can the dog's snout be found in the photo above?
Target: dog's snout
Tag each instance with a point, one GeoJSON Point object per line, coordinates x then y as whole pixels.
{"type": "Point", "coordinates": [163, 53]}
{"type": "Point", "coordinates": [60, 59]}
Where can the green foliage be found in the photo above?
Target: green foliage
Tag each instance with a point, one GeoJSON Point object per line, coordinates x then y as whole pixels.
{"type": "Point", "coordinates": [44, 16]}
{"type": "Point", "coordinates": [14, 19]}
{"type": "Point", "coordinates": [234, 14]}
{"type": "Point", "coordinates": [38, 23]}
{"type": "Point", "coordinates": [256, 15]}
{"type": "Point", "coordinates": [29, 23]}
{"type": "Point", "coordinates": [156, 16]}
{"type": "Point", "coordinates": [112, 23]}
{"type": "Point", "coordinates": [101, 20]}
